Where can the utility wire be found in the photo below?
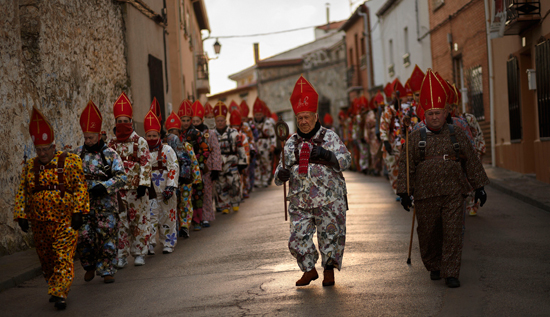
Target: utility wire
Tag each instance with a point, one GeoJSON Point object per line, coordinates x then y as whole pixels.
{"type": "Point", "coordinates": [261, 34]}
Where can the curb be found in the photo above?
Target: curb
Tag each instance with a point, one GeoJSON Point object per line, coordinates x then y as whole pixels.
{"type": "Point", "coordinates": [21, 278]}
{"type": "Point", "coordinates": [499, 185]}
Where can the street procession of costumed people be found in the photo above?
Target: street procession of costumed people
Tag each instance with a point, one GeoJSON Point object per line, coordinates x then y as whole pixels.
{"type": "Point", "coordinates": [112, 199]}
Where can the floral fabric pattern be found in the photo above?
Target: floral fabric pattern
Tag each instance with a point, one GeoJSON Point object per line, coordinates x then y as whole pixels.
{"type": "Point", "coordinates": [138, 173]}
{"type": "Point", "coordinates": [266, 140]}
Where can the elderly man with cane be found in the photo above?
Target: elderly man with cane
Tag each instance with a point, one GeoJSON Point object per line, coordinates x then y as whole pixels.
{"type": "Point", "coordinates": [442, 168]}
{"type": "Point", "coordinates": [314, 159]}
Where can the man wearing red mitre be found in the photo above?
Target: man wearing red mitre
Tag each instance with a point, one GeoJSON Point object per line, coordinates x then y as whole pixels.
{"type": "Point", "coordinates": [135, 227]}
{"type": "Point", "coordinates": [105, 176]}
{"type": "Point", "coordinates": [265, 144]}
{"type": "Point", "coordinates": [314, 159]}
{"type": "Point", "coordinates": [442, 168]}
{"type": "Point", "coordinates": [52, 196]}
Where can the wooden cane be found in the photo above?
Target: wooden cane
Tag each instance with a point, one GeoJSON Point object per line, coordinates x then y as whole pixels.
{"type": "Point", "coordinates": [408, 191]}
{"type": "Point", "coordinates": [284, 184]}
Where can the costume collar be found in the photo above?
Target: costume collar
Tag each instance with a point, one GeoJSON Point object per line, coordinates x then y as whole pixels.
{"type": "Point", "coordinates": [311, 133]}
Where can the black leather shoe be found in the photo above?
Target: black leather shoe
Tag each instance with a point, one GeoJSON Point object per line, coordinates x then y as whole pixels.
{"type": "Point", "coordinates": [53, 299]}
{"type": "Point", "coordinates": [452, 282]}
{"type": "Point", "coordinates": [435, 275]}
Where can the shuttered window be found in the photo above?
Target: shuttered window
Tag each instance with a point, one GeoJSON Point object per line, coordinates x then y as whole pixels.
{"type": "Point", "coordinates": [542, 64]}
{"type": "Point", "coordinates": [514, 100]}
{"type": "Point", "coordinates": [156, 83]}
{"type": "Point", "coordinates": [475, 92]}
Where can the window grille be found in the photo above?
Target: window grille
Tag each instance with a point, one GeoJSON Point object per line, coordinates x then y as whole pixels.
{"type": "Point", "coordinates": [542, 64]}
{"type": "Point", "coordinates": [514, 98]}
{"type": "Point", "coordinates": [475, 92]}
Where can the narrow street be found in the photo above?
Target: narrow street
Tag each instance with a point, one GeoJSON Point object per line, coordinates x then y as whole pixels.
{"type": "Point", "coordinates": [241, 267]}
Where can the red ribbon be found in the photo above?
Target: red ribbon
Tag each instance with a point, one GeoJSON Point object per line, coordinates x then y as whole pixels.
{"type": "Point", "coordinates": [304, 159]}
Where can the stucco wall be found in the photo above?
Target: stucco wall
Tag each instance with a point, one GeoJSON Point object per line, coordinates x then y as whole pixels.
{"type": "Point", "coordinates": [55, 55]}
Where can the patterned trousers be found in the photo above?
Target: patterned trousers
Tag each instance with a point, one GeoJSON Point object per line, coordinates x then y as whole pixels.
{"type": "Point", "coordinates": [134, 225]}
{"type": "Point", "coordinates": [56, 245]}
{"type": "Point", "coordinates": [185, 207]}
{"type": "Point", "coordinates": [97, 242]}
{"type": "Point", "coordinates": [163, 221]}
{"type": "Point", "coordinates": [208, 212]}
{"type": "Point", "coordinates": [330, 223]}
{"type": "Point", "coordinates": [392, 163]}
{"type": "Point", "coordinates": [198, 200]}
{"type": "Point", "coordinates": [441, 232]}
{"type": "Point", "coordinates": [363, 149]}
{"type": "Point", "coordinates": [263, 169]}
{"type": "Point", "coordinates": [228, 189]}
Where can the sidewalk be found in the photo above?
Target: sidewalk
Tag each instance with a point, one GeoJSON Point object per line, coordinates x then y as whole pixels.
{"type": "Point", "coordinates": [22, 266]}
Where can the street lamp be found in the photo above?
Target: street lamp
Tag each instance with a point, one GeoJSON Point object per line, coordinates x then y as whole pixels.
{"type": "Point", "coordinates": [217, 47]}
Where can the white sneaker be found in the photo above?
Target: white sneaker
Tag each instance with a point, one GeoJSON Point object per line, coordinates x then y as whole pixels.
{"type": "Point", "coordinates": [139, 261]}
{"type": "Point", "coordinates": [166, 250]}
{"type": "Point", "coordinates": [122, 262]}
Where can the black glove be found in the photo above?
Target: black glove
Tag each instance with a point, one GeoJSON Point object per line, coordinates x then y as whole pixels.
{"type": "Point", "coordinates": [214, 175]}
{"type": "Point", "coordinates": [186, 180]}
{"type": "Point", "coordinates": [406, 201]}
{"type": "Point", "coordinates": [283, 175]}
{"type": "Point", "coordinates": [481, 196]}
{"type": "Point", "coordinates": [77, 221]}
{"type": "Point", "coordinates": [241, 168]}
{"type": "Point", "coordinates": [141, 191]}
{"type": "Point", "coordinates": [168, 192]}
{"type": "Point", "coordinates": [319, 153]}
{"type": "Point", "coordinates": [363, 141]}
{"type": "Point", "coordinates": [387, 145]}
{"type": "Point", "coordinates": [98, 190]}
{"type": "Point", "coordinates": [378, 137]}
{"type": "Point", "coordinates": [23, 224]}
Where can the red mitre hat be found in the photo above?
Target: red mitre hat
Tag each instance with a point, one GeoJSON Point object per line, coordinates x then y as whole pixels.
{"type": "Point", "coordinates": [379, 98]}
{"type": "Point", "coordinates": [451, 95]}
{"type": "Point", "coordinates": [398, 87]}
{"type": "Point", "coordinates": [155, 107]}
{"type": "Point", "coordinates": [415, 81]}
{"type": "Point", "coordinates": [341, 114]}
{"type": "Point", "coordinates": [173, 122]}
{"type": "Point", "coordinates": [258, 106]}
{"type": "Point", "coordinates": [233, 106]}
{"type": "Point", "coordinates": [235, 118]}
{"type": "Point", "coordinates": [388, 91]}
{"type": "Point", "coordinates": [151, 122]}
{"type": "Point", "coordinates": [420, 112]}
{"type": "Point", "coordinates": [267, 111]}
{"type": "Point", "coordinates": [304, 97]}
{"type": "Point", "coordinates": [244, 109]}
{"type": "Point", "coordinates": [327, 119]}
{"type": "Point", "coordinates": [457, 94]}
{"type": "Point", "coordinates": [91, 119]}
{"type": "Point", "coordinates": [185, 109]}
{"type": "Point", "coordinates": [220, 109]}
{"type": "Point", "coordinates": [208, 109]}
{"type": "Point", "coordinates": [448, 89]}
{"type": "Point", "coordinates": [123, 107]}
{"type": "Point", "coordinates": [197, 109]}
{"type": "Point", "coordinates": [432, 92]}
{"type": "Point", "coordinates": [274, 116]}
{"type": "Point", "coordinates": [363, 103]}
{"type": "Point", "coordinates": [408, 89]}
{"type": "Point", "coordinates": [40, 129]}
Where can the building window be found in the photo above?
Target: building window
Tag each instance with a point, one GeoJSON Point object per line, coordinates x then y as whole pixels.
{"type": "Point", "coordinates": [406, 35]}
{"type": "Point", "coordinates": [363, 45]}
{"type": "Point", "coordinates": [542, 64]}
{"type": "Point", "coordinates": [156, 83]}
{"type": "Point", "coordinates": [514, 99]}
{"type": "Point", "coordinates": [390, 46]}
{"type": "Point", "coordinates": [475, 92]}
{"type": "Point", "coordinates": [351, 56]}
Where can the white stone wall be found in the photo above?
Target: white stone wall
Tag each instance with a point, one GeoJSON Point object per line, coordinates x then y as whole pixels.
{"type": "Point", "coordinates": [55, 55]}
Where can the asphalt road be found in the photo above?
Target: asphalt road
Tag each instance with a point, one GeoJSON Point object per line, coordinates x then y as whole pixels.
{"type": "Point", "coordinates": [241, 267]}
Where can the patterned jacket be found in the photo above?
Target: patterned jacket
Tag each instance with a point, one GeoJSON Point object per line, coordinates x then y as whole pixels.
{"type": "Point", "coordinates": [477, 133]}
{"type": "Point", "coordinates": [180, 146]}
{"type": "Point", "coordinates": [438, 177]}
{"type": "Point", "coordinates": [134, 152]}
{"type": "Point", "coordinates": [458, 122]}
{"type": "Point", "coordinates": [200, 147]}
{"type": "Point", "coordinates": [267, 137]}
{"type": "Point", "coordinates": [214, 162]}
{"type": "Point", "coordinates": [167, 174]}
{"type": "Point", "coordinates": [111, 175]}
{"type": "Point", "coordinates": [390, 126]}
{"type": "Point", "coordinates": [49, 205]}
{"type": "Point", "coordinates": [232, 150]}
{"type": "Point", "coordinates": [322, 184]}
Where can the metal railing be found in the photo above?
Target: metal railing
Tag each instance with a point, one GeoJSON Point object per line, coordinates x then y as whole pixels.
{"type": "Point", "coordinates": [520, 8]}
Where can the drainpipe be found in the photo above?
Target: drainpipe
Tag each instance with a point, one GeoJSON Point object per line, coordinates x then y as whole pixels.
{"type": "Point", "coordinates": [491, 78]}
{"type": "Point", "coordinates": [367, 50]}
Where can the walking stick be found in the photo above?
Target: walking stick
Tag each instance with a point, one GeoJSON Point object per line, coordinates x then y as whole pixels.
{"type": "Point", "coordinates": [408, 191]}
{"type": "Point", "coordinates": [281, 130]}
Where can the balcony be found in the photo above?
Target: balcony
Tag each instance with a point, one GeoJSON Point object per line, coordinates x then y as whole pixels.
{"type": "Point", "coordinates": [354, 76]}
{"type": "Point", "coordinates": [202, 83]}
{"type": "Point", "coordinates": [406, 60]}
{"type": "Point", "coordinates": [391, 70]}
{"type": "Point", "coordinates": [521, 15]}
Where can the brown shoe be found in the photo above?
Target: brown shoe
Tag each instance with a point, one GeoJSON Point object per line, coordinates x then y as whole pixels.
{"type": "Point", "coordinates": [329, 277]}
{"type": "Point", "coordinates": [108, 279]}
{"type": "Point", "coordinates": [89, 275]}
{"type": "Point", "coordinates": [307, 278]}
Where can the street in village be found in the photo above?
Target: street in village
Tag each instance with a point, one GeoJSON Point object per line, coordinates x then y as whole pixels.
{"type": "Point", "coordinates": [241, 266]}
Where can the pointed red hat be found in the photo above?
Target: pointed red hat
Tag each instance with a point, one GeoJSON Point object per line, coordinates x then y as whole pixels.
{"type": "Point", "coordinates": [304, 97]}
{"type": "Point", "coordinates": [420, 112]}
{"type": "Point", "coordinates": [235, 118]}
{"type": "Point", "coordinates": [123, 107]}
{"type": "Point", "coordinates": [185, 109]}
{"type": "Point", "coordinates": [327, 119]}
{"type": "Point", "coordinates": [155, 107]}
{"type": "Point", "coordinates": [258, 106]}
{"type": "Point", "coordinates": [151, 122]}
{"type": "Point", "coordinates": [388, 90]}
{"type": "Point", "coordinates": [208, 109]}
{"type": "Point", "coordinates": [274, 116]}
{"type": "Point", "coordinates": [397, 86]}
{"type": "Point", "coordinates": [451, 94]}
{"type": "Point", "coordinates": [244, 109]}
{"type": "Point", "coordinates": [40, 129]}
{"type": "Point", "coordinates": [220, 109]}
{"type": "Point", "coordinates": [173, 122]}
{"type": "Point", "coordinates": [197, 109]}
{"type": "Point", "coordinates": [378, 98]}
{"type": "Point", "coordinates": [448, 89]}
{"type": "Point", "coordinates": [415, 81]}
{"type": "Point", "coordinates": [233, 106]}
{"type": "Point", "coordinates": [363, 103]}
{"type": "Point", "coordinates": [408, 89]}
{"type": "Point", "coordinates": [432, 92]}
{"type": "Point", "coordinates": [267, 111]}
{"type": "Point", "coordinates": [457, 94]}
{"type": "Point", "coordinates": [91, 119]}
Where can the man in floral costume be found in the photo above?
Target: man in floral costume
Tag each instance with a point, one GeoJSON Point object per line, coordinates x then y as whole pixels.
{"type": "Point", "coordinates": [235, 121]}
{"type": "Point", "coordinates": [314, 159]}
{"type": "Point", "coordinates": [135, 226]}
{"type": "Point", "coordinates": [265, 144]}
{"type": "Point", "coordinates": [189, 172]}
{"type": "Point", "coordinates": [52, 196]}
{"type": "Point", "coordinates": [105, 176]}
{"type": "Point", "coordinates": [228, 186]}
{"type": "Point", "coordinates": [249, 128]}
